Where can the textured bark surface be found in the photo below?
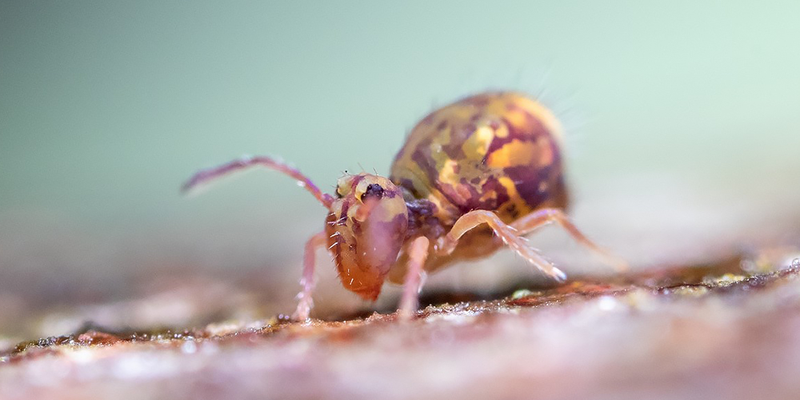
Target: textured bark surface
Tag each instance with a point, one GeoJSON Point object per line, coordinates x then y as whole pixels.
{"type": "Point", "coordinates": [726, 330]}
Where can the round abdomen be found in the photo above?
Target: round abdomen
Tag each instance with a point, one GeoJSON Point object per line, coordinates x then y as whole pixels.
{"type": "Point", "coordinates": [492, 151]}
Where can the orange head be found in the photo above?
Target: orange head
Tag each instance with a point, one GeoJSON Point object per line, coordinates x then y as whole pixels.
{"type": "Point", "coordinates": [367, 226]}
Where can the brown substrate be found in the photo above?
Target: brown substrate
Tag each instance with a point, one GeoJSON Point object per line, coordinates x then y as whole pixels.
{"type": "Point", "coordinates": [715, 331]}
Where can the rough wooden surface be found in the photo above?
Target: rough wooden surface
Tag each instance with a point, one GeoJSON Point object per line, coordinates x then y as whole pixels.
{"type": "Point", "coordinates": [727, 330]}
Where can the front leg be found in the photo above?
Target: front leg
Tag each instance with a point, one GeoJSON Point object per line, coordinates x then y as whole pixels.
{"type": "Point", "coordinates": [510, 236]}
{"type": "Point", "coordinates": [305, 302]}
{"type": "Point", "coordinates": [417, 254]}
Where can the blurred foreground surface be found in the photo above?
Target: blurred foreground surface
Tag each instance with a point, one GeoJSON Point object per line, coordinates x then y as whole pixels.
{"type": "Point", "coordinates": [725, 330]}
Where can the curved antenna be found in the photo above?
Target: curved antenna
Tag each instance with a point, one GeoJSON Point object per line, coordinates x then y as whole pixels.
{"type": "Point", "coordinates": [206, 175]}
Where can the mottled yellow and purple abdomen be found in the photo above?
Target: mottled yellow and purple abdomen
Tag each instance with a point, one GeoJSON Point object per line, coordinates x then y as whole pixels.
{"type": "Point", "coordinates": [493, 151]}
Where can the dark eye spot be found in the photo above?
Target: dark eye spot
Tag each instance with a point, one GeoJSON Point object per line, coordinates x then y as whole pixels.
{"type": "Point", "coordinates": [373, 190]}
{"type": "Point", "coordinates": [338, 194]}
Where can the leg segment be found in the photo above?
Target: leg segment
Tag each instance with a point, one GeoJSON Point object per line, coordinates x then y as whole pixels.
{"type": "Point", "coordinates": [417, 254]}
{"type": "Point", "coordinates": [507, 233]}
{"type": "Point", "coordinates": [535, 220]}
{"type": "Point", "coordinates": [211, 174]}
{"type": "Point", "coordinates": [307, 281]}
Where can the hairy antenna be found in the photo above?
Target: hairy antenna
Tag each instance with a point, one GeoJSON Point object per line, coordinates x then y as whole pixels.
{"type": "Point", "coordinates": [210, 174]}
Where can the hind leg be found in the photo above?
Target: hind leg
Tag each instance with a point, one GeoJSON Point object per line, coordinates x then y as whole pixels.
{"type": "Point", "coordinates": [546, 216]}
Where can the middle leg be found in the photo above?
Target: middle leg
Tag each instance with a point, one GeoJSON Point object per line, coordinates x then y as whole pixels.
{"type": "Point", "coordinates": [510, 236]}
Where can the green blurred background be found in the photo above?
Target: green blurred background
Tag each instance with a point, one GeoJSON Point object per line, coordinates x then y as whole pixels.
{"type": "Point", "coordinates": [682, 123]}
